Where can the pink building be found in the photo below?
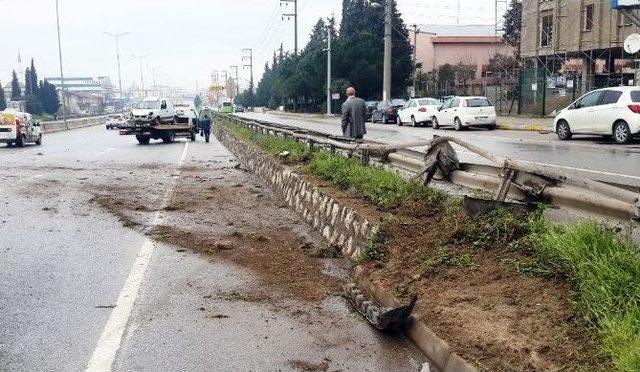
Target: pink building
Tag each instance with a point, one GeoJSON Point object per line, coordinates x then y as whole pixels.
{"type": "Point", "coordinates": [469, 45]}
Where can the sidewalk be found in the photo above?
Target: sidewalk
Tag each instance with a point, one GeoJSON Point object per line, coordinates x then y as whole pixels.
{"type": "Point", "coordinates": [525, 123]}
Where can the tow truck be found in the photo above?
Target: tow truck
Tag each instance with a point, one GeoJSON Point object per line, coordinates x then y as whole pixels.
{"type": "Point", "coordinates": [155, 118]}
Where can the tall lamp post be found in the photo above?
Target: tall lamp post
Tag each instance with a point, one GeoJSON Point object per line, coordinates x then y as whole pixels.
{"type": "Point", "coordinates": [117, 37]}
{"type": "Point", "coordinates": [64, 103]}
{"type": "Point", "coordinates": [140, 58]}
{"type": "Point", "coordinates": [388, 39]}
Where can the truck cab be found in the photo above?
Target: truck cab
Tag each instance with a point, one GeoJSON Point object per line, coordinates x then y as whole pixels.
{"type": "Point", "coordinates": [19, 128]}
{"type": "Point", "coordinates": [154, 111]}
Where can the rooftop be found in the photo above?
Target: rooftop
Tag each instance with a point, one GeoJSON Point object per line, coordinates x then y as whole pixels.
{"type": "Point", "coordinates": [458, 30]}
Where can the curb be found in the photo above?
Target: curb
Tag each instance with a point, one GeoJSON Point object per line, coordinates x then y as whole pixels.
{"type": "Point", "coordinates": [435, 348]}
{"type": "Point", "coordinates": [523, 127]}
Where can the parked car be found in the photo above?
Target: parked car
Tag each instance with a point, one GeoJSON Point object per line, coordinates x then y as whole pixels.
{"type": "Point", "coordinates": [19, 128]}
{"type": "Point", "coordinates": [387, 111]}
{"type": "Point", "coordinates": [239, 108]}
{"type": "Point", "coordinates": [185, 113]}
{"type": "Point", "coordinates": [607, 112]}
{"type": "Point", "coordinates": [464, 112]}
{"type": "Point", "coordinates": [418, 111]}
{"type": "Point", "coordinates": [116, 121]}
{"type": "Point", "coordinates": [154, 110]}
{"type": "Point", "coordinates": [371, 106]}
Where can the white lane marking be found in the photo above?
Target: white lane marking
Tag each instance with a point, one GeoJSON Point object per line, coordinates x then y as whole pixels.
{"type": "Point", "coordinates": [111, 338]}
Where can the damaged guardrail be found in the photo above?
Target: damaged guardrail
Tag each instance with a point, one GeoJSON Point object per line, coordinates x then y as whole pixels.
{"type": "Point", "coordinates": [506, 179]}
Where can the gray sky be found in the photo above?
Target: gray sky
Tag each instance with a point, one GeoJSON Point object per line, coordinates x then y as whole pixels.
{"type": "Point", "coordinates": [185, 39]}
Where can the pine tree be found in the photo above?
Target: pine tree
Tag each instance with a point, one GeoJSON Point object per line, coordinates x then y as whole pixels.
{"type": "Point", "coordinates": [48, 96]}
{"type": "Point", "coordinates": [16, 92]}
{"type": "Point", "coordinates": [33, 79]}
{"type": "Point", "coordinates": [3, 100]}
{"type": "Point", "coordinates": [27, 83]}
{"type": "Point", "coordinates": [513, 24]}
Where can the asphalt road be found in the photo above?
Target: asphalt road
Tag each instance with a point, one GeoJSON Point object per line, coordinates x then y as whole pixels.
{"type": "Point", "coordinates": [590, 157]}
{"type": "Point", "coordinates": [79, 288]}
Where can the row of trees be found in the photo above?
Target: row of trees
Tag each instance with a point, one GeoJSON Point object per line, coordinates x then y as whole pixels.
{"type": "Point", "coordinates": [299, 80]}
{"type": "Point", "coordinates": [40, 96]}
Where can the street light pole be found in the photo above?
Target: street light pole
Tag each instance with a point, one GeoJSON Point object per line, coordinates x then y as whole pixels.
{"type": "Point", "coordinates": [64, 104]}
{"type": "Point", "coordinates": [117, 37]}
{"type": "Point", "coordinates": [140, 58]}
{"type": "Point", "coordinates": [329, 70]}
{"type": "Point", "coordinates": [388, 39]}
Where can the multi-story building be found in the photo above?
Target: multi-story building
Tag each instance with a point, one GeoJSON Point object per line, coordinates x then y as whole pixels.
{"type": "Point", "coordinates": [582, 36]}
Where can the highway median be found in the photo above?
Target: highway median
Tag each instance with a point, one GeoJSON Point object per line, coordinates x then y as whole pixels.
{"type": "Point", "coordinates": [503, 289]}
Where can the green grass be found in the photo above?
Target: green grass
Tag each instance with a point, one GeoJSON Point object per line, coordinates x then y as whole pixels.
{"type": "Point", "coordinates": [384, 188]}
{"type": "Point", "coordinates": [605, 270]}
{"type": "Point", "coordinates": [603, 266]}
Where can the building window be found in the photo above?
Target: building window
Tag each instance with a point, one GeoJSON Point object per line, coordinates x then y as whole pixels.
{"type": "Point", "coordinates": [546, 30]}
{"type": "Point", "coordinates": [587, 17]}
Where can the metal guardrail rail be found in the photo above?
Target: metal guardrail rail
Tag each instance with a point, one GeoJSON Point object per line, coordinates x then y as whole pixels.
{"type": "Point", "coordinates": [505, 178]}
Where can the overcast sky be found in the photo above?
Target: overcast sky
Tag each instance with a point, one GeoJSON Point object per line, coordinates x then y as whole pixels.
{"type": "Point", "coordinates": [185, 40]}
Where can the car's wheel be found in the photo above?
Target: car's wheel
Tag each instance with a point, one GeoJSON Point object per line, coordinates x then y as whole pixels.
{"type": "Point", "coordinates": [413, 121]}
{"type": "Point", "coordinates": [21, 141]}
{"type": "Point", "coordinates": [564, 131]}
{"type": "Point", "coordinates": [434, 123]}
{"type": "Point", "coordinates": [400, 122]}
{"type": "Point", "coordinates": [621, 132]}
{"type": "Point", "coordinates": [39, 140]}
{"type": "Point", "coordinates": [491, 127]}
{"type": "Point", "coordinates": [169, 137]}
{"type": "Point", "coordinates": [143, 140]}
{"type": "Point", "coordinates": [457, 124]}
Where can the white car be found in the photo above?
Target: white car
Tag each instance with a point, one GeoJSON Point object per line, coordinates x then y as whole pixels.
{"type": "Point", "coordinates": [607, 112]}
{"type": "Point", "coordinates": [185, 113]}
{"type": "Point", "coordinates": [464, 112]}
{"type": "Point", "coordinates": [116, 121]}
{"type": "Point", "coordinates": [19, 128]}
{"type": "Point", "coordinates": [418, 111]}
{"type": "Point", "coordinates": [154, 111]}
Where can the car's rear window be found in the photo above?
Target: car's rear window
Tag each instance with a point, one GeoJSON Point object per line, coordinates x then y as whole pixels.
{"type": "Point", "coordinates": [429, 102]}
{"type": "Point", "coordinates": [635, 95]}
{"type": "Point", "coordinates": [478, 102]}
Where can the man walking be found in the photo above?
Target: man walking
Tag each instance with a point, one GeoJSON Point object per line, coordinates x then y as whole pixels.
{"type": "Point", "coordinates": [205, 126]}
{"type": "Point", "coordinates": [354, 112]}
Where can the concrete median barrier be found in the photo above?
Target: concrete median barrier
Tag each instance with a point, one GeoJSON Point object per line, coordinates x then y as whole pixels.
{"type": "Point", "coordinates": [59, 125]}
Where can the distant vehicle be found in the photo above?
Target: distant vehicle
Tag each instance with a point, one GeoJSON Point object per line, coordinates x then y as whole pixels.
{"type": "Point", "coordinates": [464, 112]}
{"type": "Point", "coordinates": [418, 111]}
{"type": "Point", "coordinates": [226, 108]}
{"type": "Point", "coordinates": [109, 110]}
{"type": "Point", "coordinates": [19, 128]}
{"type": "Point", "coordinates": [154, 110]}
{"type": "Point", "coordinates": [185, 113]}
{"type": "Point", "coordinates": [606, 112]}
{"type": "Point", "coordinates": [116, 121]}
{"type": "Point", "coordinates": [387, 111]}
{"type": "Point", "coordinates": [239, 108]}
{"type": "Point", "coordinates": [371, 106]}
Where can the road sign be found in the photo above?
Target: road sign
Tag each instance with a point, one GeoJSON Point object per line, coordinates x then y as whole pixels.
{"type": "Point", "coordinates": [619, 4]}
{"type": "Point", "coordinates": [335, 96]}
{"type": "Point", "coordinates": [632, 44]}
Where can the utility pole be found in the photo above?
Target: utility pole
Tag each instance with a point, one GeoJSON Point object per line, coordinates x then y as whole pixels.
{"type": "Point", "coordinates": [247, 56]}
{"type": "Point", "coordinates": [64, 98]}
{"type": "Point", "coordinates": [235, 72]}
{"type": "Point", "coordinates": [117, 37]}
{"type": "Point", "coordinates": [329, 99]}
{"type": "Point", "coordinates": [415, 59]}
{"type": "Point", "coordinates": [388, 39]}
{"type": "Point", "coordinates": [140, 58]}
{"type": "Point", "coordinates": [295, 20]}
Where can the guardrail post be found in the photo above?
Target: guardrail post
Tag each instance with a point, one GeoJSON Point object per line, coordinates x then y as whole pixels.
{"type": "Point", "coordinates": [366, 157]}
{"type": "Point", "coordinates": [312, 145]}
{"type": "Point", "coordinates": [507, 176]}
{"type": "Point", "coordinates": [333, 149]}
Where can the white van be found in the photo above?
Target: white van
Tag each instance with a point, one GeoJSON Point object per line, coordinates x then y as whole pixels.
{"type": "Point", "coordinates": [19, 128]}
{"type": "Point", "coordinates": [153, 110]}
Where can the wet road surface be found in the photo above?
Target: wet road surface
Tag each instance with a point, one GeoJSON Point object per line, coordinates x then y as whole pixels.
{"type": "Point", "coordinates": [70, 266]}
{"type": "Point", "coordinates": [590, 157]}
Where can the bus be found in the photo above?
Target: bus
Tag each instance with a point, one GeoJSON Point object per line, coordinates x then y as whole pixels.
{"type": "Point", "coordinates": [226, 108]}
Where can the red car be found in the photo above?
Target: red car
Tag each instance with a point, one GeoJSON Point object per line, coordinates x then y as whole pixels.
{"type": "Point", "coordinates": [387, 111]}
